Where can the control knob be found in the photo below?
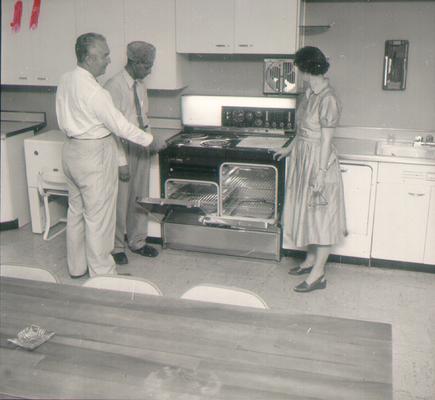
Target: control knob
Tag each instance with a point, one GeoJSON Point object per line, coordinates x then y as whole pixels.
{"type": "Point", "coordinates": [249, 116]}
{"type": "Point", "coordinates": [258, 122]}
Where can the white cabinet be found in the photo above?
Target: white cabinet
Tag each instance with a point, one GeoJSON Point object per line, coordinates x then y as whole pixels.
{"type": "Point", "coordinates": [205, 26]}
{"type": "Point", "coordinates": [42, 55]}
{"type": "Point", "coordinates": [266, 26]}
{"type": "Point", "coordinates": [359, 198]}
{"type": "Point", "coordinates": [154, 21]}
{"type": "Point", "coordinates": [403, 205]}
{"type": "Point", "coordinates": [88, 19]}
{"type": "Point", "coordinates": [238, 26]}
{"type": "Point", "coordinates": [429, 248]}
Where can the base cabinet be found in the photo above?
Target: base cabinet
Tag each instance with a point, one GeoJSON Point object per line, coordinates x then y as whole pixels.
{"type": "Point", "coordinates": [400, 222]}
{"type": "Point", "coordinates": [359, 193]}
{"type": "Point", "coordinates": [429, 248]}
{"type": "Point", "coordinates": [405, 213]}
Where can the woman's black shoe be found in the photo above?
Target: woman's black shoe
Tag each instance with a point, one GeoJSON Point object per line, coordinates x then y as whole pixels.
{"type": "Point", "coordinates": [299, 270]}
{"type": "Point", "coordinates": [317, 284]}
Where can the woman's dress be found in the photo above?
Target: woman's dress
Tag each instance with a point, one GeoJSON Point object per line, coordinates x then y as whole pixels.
{"type": "Point", "coordinates": [310, 218]}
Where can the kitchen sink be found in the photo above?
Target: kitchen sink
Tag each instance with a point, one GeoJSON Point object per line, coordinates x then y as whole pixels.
{"type": "Point", "coordinates": [405, 149]}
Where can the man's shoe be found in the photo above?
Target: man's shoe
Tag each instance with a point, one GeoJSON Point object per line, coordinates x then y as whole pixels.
{"type": "Point", "coordinates": [120, 258]}
{"type": "Point", "coordinates": [146, 251]}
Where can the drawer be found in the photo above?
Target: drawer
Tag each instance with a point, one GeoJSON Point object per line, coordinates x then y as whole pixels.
{"type": "Point", "coordinates": [397, 173]}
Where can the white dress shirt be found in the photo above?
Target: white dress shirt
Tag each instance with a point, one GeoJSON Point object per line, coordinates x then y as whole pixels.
{"type": "Point", "coordinates": [85, 110]}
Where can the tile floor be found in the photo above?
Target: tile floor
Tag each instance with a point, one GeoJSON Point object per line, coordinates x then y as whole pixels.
{"type": "Point", "coordinates": [404, 299]}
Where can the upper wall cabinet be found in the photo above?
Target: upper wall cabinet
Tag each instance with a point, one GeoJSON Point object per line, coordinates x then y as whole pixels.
{"type": "Point", "coordinates": [88, 19]}
{"type": "Point", "coordinates": [154, 21]}
{"type": "Point", "coordinates": [238, 26]}
{"type": "Point", "coordinates": [41, 55]}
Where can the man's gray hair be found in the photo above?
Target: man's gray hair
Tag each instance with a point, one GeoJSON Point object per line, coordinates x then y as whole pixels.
{"type": "Point", "coordinates": [85, 42]}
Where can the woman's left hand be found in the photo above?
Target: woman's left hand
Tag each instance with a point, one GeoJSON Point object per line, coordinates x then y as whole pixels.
{"type": "Point", "coordinates": [319, 182]}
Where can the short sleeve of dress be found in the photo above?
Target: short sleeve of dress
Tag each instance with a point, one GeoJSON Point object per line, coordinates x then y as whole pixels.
{"type": "Point", "coordinates": [329, 111]}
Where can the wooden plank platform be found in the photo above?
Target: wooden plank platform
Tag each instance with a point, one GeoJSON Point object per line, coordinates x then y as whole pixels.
{"type": "Point", "coordinates": [112, 345]}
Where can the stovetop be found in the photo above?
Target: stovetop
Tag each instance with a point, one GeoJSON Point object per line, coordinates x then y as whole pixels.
{"type": "Point", "coordinates": [227, 140]}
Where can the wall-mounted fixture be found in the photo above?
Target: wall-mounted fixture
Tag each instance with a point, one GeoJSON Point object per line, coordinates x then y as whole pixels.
{"type": "Point", "coordinates": [395, 64]}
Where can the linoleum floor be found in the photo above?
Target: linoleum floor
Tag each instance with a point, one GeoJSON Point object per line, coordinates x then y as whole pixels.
{"type": "Point", "coordinates": [405, 299]}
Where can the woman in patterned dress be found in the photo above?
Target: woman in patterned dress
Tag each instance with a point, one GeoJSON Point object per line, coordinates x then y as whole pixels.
{"type": "Point", "coordinates": [314, 202]}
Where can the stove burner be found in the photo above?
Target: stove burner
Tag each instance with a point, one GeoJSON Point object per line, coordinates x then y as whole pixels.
{"type": "Point", "coordinates": [215, 142]}
{"type": "Point", "coordinates": [194, 136]}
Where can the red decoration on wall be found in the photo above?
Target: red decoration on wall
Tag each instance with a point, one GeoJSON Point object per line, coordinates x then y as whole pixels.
{"type": "Point", "coordinates": [35, 14]}
{"type": "Point", "coordinates": [18, 13]}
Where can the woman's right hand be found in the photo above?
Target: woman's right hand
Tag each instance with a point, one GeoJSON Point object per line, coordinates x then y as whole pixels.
{"type": "Point", "coordinates": [281, 153]}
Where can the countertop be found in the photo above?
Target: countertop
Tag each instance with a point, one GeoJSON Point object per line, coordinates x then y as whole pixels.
{"type": "Point", "coordinates": [116, 345]}
{"type": "Point", "coordinates": [16, 122]}
{"type": "Point", "coordinates": [365, 150]}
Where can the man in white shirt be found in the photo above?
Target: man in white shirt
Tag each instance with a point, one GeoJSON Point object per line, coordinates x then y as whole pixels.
{"type": "Point", "coordinates": [86, 113]}
{"type": "Point", "coordinates": [129, 95]}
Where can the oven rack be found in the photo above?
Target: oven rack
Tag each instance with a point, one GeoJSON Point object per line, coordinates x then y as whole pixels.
{"type": "Point", "coordinates": [208, 202]}
{"type": "Point", "coordinates": [257, 209]}
{"type": "Point", "coordinates": [252, 193]}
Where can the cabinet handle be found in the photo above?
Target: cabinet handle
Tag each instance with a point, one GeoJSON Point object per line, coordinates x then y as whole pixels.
{"type": "Point", "coordinates": [416, 194]}
{"type": "Point", "coordinates": [221, 45]}
{"type": "Point", "coordinates": [41, 78]}
{"type": "Point", "coordinates": [342, 170]}
{"type": "Point", "coordinates": [23, 78]}
{"type": "Point", "coordinates": [245, 45]}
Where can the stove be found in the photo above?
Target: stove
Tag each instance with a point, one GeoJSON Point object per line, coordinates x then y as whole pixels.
{"type": "Point", "coordinates": [221, 167]}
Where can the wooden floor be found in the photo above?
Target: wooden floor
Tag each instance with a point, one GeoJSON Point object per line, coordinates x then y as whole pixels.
{"type": "Point", "coordinates": [118, 346]}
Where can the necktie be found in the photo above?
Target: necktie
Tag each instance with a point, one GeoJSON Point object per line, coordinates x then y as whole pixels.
{"type": "Point", "coordinates": [138, 107]}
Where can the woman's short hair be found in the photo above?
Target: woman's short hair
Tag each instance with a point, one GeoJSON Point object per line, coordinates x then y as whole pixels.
{"type": "Point", "coordinates": [311, 60]}
{"type": "Point", "coordinates": [85, 42]}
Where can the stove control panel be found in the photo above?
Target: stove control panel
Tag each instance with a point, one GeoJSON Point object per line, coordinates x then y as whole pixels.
{"type": "Point", "coordinates": [263, 119]}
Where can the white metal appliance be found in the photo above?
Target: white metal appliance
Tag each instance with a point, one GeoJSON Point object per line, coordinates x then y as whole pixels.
{"type": "Point", "coordinates": [222, 189]}
{"type": "Point", "coordinates": [44, 154]}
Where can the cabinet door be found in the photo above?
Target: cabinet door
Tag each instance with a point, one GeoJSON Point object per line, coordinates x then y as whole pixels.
{"type": "Point", "coordinates": [17, 65]}
{"type": "Point", "coordinates": [39, 56]}
{"type": "Point", "coordinates": [205, 26]}
{"type": "Point", "coordinates": [429, 251]}
{"type": "Point", "coordinates": [88, 19]}
{"type": "Point", "coordinates": [400, 222]}
{"type": "Point", "coordinates": [154, 21]}
{"type": "Point", "coordinates": [55, 40]}
{"type": "Point", "coordinates": [358, 193]}
{"type": "Point", "coordinates": [266, 26]}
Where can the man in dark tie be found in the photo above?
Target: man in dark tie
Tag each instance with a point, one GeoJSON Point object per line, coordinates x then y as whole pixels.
{"type": "Point", "coordinates": [130, 96]}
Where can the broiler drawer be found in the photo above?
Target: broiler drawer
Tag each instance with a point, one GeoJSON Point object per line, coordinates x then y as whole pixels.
{"type": "Point", "coordinates": [184, 231]}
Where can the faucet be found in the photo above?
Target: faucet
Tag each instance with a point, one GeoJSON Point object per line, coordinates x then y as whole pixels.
{"type": "Point", "coordinates": [427, 141]}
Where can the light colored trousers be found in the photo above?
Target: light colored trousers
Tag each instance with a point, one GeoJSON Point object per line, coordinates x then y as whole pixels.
{"type": "Point", "coordinates": [91, 170]}
{"type": "Point", "coordinates": [130, 217]}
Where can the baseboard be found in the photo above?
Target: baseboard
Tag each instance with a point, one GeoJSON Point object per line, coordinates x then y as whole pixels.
{"type": "Point", "coordinates": [407, 266]}
{"type": "Point", "coordinates": [155, 240]}
{"type": "Point", "coordinates": [332, 257]}
{"type": "Point", "coordinates": [9, 225]}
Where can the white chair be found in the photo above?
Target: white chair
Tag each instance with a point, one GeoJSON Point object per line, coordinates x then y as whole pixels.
{"type": "Point", "coordinates": [51, 183]}
{"type": "Point", "coordinates": [31, 273]}
{"type": "Point", "coordinates": [123, 284]}
{"type": "Point", "coordinates": [225, 295]}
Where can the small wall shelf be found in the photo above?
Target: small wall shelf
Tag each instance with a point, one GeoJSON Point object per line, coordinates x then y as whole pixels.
{"type": "Point", "coordinates": [315, 29]}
